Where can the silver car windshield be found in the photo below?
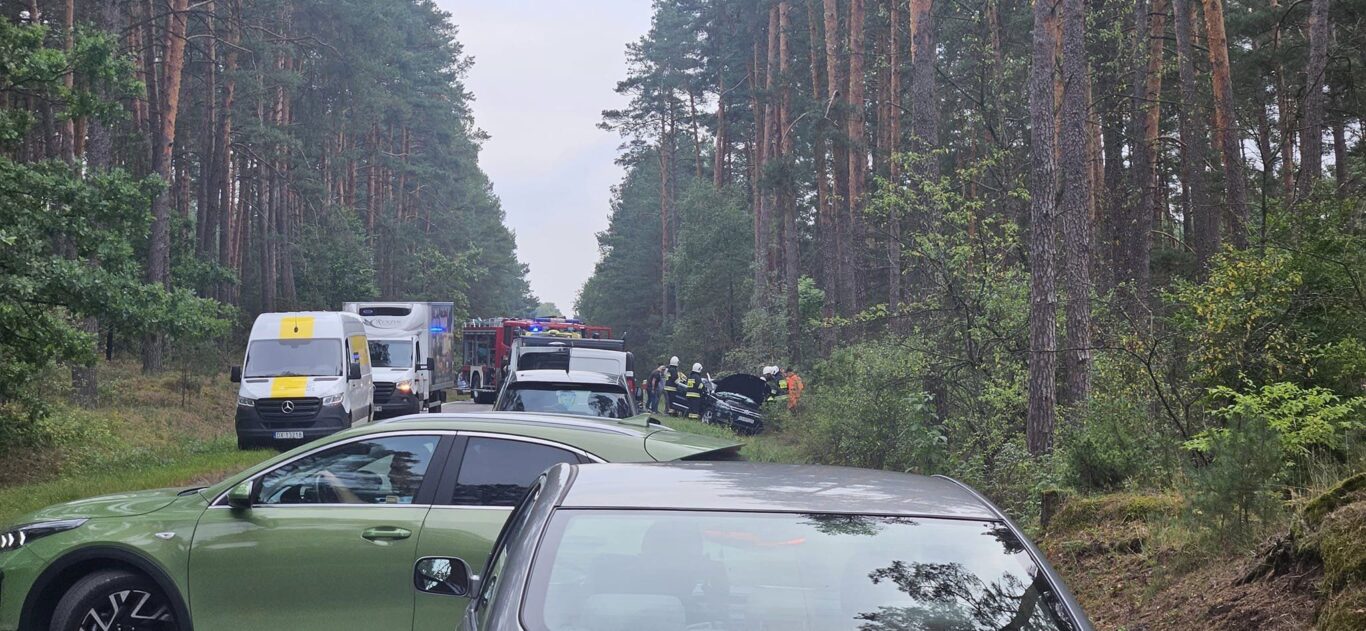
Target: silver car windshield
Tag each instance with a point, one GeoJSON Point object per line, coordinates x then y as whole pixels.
{"type": "Point", "coordinates": [677, 570]}
{"type": "Point", "coordinates": [604, 402]}
{"type": "Point", "coordinates": [293, 358]}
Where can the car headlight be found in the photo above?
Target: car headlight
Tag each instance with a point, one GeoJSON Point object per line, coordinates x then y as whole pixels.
{"type": "Point", "coordinates": [404, 386]}
{"type": "Point", "coordinates": [245, 402]}
{"type": "Point", "coordinates": [333, 399]}
{"type": "Point", "coordinates": [19, 536]}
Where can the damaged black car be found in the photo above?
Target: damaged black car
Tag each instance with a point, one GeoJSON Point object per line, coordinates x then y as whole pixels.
{"type": "Point", "coordinates": [736, 401]}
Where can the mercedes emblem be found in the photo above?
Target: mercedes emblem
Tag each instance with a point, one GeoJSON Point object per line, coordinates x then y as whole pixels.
{"type": "Point", "coordinates": [287, 407]}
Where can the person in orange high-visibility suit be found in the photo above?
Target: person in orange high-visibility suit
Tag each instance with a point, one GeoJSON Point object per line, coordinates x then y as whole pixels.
{"type": "Point", "coordinates": [794, 389]}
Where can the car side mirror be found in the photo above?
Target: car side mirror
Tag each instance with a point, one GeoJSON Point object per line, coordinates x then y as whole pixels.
{"type": "Point", "coordinates": [235, 374]}
{"type": "Point", "coordinates": [444, 576]}
{"type": "Point", "coordinates": [353, 371]}
{"type": "Point", "coordinates": [243, 496]}
{"type": "Point", "coordinates": [430, 366]}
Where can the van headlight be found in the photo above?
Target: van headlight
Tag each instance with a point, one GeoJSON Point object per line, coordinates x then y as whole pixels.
{"type": "Point", "coordinates": [19, 536]}
{"type": "Point", "coordinates": [334, 399]}
{"type": "Point", "coordinates": [405, 386]}
{"type": "Point", "coordinates": [246, 402]}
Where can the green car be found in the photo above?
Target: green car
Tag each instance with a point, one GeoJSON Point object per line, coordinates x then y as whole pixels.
{"type": "Point", "coordinates": [323, 537]}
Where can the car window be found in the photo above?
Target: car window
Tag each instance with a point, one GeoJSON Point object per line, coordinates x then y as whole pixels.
{"type": "Point", "coordinates": [602, 402]}
{"type": "Point", "coordinates": [497, 472]}
{"type": "Point", "coordinates": [733, 571]}
{"type": "Point", "coordinates": [287, 358]}
{"type": "Point", "coordinates": [498, 558]}
{"type": "Point", "coordinates": [380, 471]}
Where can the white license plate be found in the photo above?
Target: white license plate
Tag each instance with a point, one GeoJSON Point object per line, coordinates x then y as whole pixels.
{"type": "Point", "coordinates": [289, 435]}
{"type": "Point", "coordinates": [379, 408]}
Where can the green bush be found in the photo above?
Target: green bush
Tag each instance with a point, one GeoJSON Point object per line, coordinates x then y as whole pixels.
{"type": "Point", "coordinates": [1237, 488]}
{"type": "Point", "coordinates": [863, 408]}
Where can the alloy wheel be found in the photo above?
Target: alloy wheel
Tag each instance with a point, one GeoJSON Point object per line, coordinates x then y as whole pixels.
{"type": "Point", "coordinates": [130, 610]}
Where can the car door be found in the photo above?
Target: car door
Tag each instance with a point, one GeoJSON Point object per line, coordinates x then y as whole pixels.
{"type": "Point", "coordinates": [329, 543]}
{"type": "Point", "coordinates": [487, 475]}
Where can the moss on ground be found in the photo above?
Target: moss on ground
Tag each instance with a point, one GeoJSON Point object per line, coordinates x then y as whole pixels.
{"type": "Point", "coordinates": [1345, 611]}
{"type": "Point", "coordinates": [1082, 514]}
{"type": "Point", "coordinates": [1349, 490]}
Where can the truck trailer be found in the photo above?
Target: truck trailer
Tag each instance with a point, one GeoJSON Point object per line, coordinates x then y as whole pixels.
{"type": "Point", "coordinates": [412, 348]}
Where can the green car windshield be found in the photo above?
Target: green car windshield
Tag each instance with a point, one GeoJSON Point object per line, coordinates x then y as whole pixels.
{"type": "Point", "coordinates": [677, 570]}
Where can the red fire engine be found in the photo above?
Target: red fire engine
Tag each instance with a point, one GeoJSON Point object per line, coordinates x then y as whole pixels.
{"type": "Point", "coordinates": [487, 343]}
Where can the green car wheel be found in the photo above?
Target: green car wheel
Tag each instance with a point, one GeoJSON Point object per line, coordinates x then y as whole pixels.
{"type": "Point", "coordinates": [114, 599]}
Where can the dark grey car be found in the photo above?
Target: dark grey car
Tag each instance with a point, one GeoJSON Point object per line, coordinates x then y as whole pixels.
{"type": "Point", "coordinates": [740, 546]}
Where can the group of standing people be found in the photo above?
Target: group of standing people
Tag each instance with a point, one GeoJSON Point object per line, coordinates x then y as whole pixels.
{"type": "Point", "coordinates": [784, 382]}
{"type": "Point", "coordinates": [681, 393]}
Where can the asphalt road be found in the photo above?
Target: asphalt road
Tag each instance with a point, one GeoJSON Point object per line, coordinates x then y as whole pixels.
{"type": "Point", "coordinates": [465, 406]}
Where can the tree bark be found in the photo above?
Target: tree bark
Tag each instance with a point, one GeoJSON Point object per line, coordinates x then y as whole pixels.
{"type": "Point", "coordinates": [1311, 133]}
{"type": "Point", "coordinates": [924, 126]}
{"type": "Point", "coordinates": [1225, 123]}
{"type": "Point", "coordinates": [1076, 208]}
{"type": "Point", "coordinates": [837, 292]}
{"type": "Point", "coordinates": [858, 153]}
{"type": "Point", "coordinates": [787, 196]}
{"type": "Point", "coordinates": [1042, 412]}
{"type": "Point", "coordinates": [1194, 147]}
{"type": "Point", "coordinates": [159, 248]}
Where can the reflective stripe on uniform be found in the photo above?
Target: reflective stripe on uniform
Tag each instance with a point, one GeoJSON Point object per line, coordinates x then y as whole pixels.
{"type": "Point", "coordinates": [694, 395]}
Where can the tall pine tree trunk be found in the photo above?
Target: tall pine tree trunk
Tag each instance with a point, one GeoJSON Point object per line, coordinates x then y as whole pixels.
{"type": "Point", "coordinates": [1226, 123]}
{"type": "Point", "coordinates": [858, 154]}
{"type": "Point", "coordinates": [836, 292]}
{"type": "Point", "coordinates": [1076, 207]}
{"type": "Point", "coordinates": [924, 126]}
{"type": "Point", "coordinates": [159, 248]}
{"type": "Point", "coordinates": [1194, 147]}
{"type": "Point", "coordinates": [1042, 411]}
{"type": "Point", "coordinates": [1315, 68]}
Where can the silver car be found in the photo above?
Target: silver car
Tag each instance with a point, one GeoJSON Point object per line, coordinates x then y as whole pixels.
{"type": "Point", "coordinates": [742, 546]}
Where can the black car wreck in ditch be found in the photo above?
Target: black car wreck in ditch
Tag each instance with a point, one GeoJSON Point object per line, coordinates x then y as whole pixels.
{"type": "Point", "coordinates": [735, 401]}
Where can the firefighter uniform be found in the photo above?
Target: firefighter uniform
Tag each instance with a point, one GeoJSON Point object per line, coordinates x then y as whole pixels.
{"type": "Point", "coordinates": [694, 394]}
{"type": "Point", "coordinates": [671, 377]}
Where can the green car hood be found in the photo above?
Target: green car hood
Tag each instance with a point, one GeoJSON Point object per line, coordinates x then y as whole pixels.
{"type": "Point", "coordinates": [120, 505]}
{"type": "Point", "coordinates": [666, 444]}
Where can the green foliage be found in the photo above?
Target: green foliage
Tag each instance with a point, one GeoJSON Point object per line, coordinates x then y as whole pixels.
{"type": "Point", "coordinates": [1302, 422]}
{"type": "Point", "coordinates": [711, 270]}
{"type": "Point", "coordinates": [1238, 484]}
{"type": "Point", "coordinates": [860, 411]}
{"type": "Point", "coordinates": [69, 239]}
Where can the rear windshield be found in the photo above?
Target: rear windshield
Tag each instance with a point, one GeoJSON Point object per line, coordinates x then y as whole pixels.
{"type": "Point", "coordinates": [293, 358]}
{"type": "Point", "coordinates": [677, 570]}
{"type": "Point", "coordinates": [580, 400]}
{"type": "Point", "coordinates": [559, 360]}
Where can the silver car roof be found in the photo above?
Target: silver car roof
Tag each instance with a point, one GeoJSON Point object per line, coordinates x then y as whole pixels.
{"type": "Point", "coordinates": [742, 486]}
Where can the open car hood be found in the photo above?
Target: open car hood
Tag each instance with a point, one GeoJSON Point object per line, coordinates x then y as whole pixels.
{"type": "Point", "coordinates": [750, 386]}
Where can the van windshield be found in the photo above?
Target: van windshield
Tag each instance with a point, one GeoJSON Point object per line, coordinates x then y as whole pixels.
{"type": "Point", "coordinates": [293, 358]}
{"type": "Point", "coordinates": [391, 354]}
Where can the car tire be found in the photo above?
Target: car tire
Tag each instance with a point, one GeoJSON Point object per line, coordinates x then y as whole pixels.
{"type": "Point", "coordinates": [115, 599]}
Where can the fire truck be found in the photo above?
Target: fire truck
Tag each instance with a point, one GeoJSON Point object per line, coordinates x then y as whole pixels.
{"type": "Point", "coordinates": [487, 344]}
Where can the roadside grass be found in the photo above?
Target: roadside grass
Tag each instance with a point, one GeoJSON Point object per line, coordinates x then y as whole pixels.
{"type": "Point", "coordinates": [770, 446]}
{"type": "Point", "coordinates": [172, 429]}
{"type": "Point", "coordinates": [200, 464]}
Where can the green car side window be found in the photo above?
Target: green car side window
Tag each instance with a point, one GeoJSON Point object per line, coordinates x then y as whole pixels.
{"type": "Point", "coordinates": [380, 471]}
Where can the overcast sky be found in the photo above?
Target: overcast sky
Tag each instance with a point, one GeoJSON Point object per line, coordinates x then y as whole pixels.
{"type": "Point", "coordinates": [544, 70]}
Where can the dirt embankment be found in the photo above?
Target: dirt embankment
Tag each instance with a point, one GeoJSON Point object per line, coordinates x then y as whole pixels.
{"type": "Point", "coordinates": [1135, 567]}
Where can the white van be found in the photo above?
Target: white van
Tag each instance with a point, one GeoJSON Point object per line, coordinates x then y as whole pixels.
{"type": "Point", "coordinates": [304, 376]}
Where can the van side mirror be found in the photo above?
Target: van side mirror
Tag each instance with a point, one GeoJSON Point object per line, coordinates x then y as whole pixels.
{"type": "Point", "coordinates": [243, 496]}
{"type": "Point", "coordinates": [235, 374]}
{"type": "Point", "coordinates": [430, 365]}
{"type": "Point", "coordinates": [444, 576]}
{"type": "Point", "coordinates": [353, 371]}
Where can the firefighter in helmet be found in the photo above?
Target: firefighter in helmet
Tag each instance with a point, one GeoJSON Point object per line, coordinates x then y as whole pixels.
{"type": "Point", "coordinates": [671, 379]}
{"type": "Point", "coordinates": [694, 395]}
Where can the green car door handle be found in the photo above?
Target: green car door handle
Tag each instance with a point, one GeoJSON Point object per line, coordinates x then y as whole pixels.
{"type": "Point", "coordinates": [386, 533]}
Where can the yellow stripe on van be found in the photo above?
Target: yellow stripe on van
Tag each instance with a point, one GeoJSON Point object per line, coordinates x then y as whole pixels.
{"type": "Point", "coordinates": [288, 387]}
{"type": "Point", "coordinates": [298, 327]}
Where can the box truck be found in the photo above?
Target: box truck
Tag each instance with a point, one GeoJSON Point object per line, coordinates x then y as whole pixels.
{"type": "Point", "coordinates": [412, 347]}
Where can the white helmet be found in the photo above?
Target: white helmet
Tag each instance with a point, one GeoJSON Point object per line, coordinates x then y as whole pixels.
{"type": "Point", "coordinates": [697, 367]}
{"type": "Point", "coordinates": [673, 361]}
